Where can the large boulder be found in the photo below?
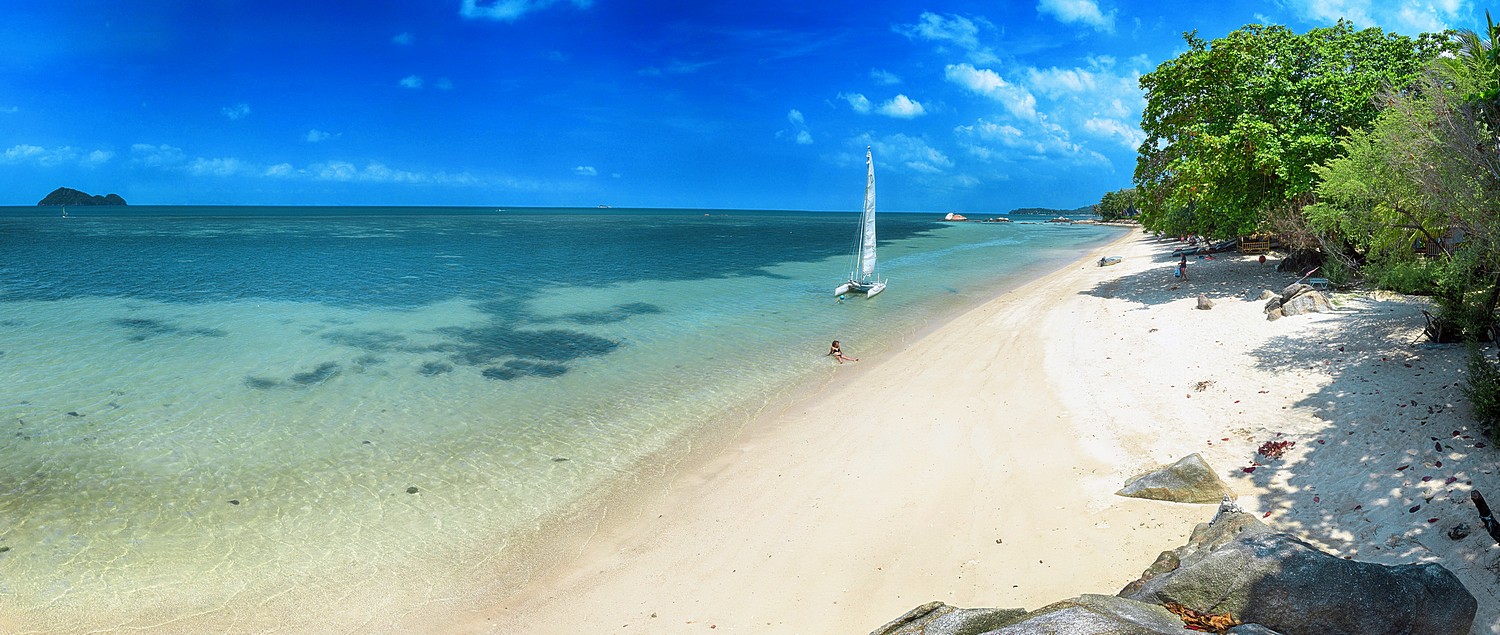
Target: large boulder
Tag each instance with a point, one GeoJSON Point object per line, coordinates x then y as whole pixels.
{"type": "Point", "coordinates": [1308, 302]}
{"type": "Point", "coordinates": [1189, 480]}
{"type": "Point", "coordinates": [1272, 583]}
{"type": "Point", "coordinates": [1096, 615]}
{"type": "Point", "coordinates": [1238, 566]}
{"type": "Point", "coordinates": [937, 618]}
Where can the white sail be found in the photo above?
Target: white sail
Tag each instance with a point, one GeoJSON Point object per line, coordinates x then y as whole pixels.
{"type": "Point", "coordinates": [862, 276]}
{"type": "Point", "coordinates": [867, 243]}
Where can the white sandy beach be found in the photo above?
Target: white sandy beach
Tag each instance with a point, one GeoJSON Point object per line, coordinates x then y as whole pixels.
{"type": "Point", "coordinates": [978, 465]}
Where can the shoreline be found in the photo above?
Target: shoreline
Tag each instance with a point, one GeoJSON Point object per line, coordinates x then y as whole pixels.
{"type": "Point", "coordinates": [651, 545]}
{"type": "Point", "coordinates": [995, 440]}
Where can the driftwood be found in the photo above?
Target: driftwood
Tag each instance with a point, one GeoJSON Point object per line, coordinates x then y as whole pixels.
{"type": "Point", "coordinates": [1485, 516]}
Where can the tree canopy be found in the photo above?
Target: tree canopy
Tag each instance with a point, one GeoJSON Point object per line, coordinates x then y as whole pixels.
{"type": "Point", "coordinates": [1234, 127]}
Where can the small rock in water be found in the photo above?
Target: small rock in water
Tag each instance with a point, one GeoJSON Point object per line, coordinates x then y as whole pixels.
{"type": "Point", "coordinates": [1459, 531]}
{"type": "Point", "coordinates": [559, 459]}
{"type": "Point", "coordinates": [234, 501]}
{"type": "Point", "coordinates": [412, 490]}
{"type": "Point", "coordinates": [4, 549]}
{"type": "Point", "coordinates": [74, 413]}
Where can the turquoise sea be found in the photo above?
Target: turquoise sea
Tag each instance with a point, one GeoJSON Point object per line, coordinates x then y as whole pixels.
{"type": "Point", "coordinates": [295, 419]}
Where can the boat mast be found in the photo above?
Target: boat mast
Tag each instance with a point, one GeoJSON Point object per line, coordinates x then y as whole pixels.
{"type": "Point", "coordinates": [867, 242]}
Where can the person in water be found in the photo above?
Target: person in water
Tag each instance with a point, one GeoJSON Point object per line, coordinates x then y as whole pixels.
{"type": "Point", "coordinates": [838, 353]}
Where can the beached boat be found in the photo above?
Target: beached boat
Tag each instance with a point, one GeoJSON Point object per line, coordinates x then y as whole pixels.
{"type": "Point", "coordinates": [862, 275]}
{"type": "Point", "coordinates": [1109, 260]}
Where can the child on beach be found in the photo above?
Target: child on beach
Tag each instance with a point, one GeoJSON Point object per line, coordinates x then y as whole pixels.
{"type": "Point", "coordinates": [838, 353]}
{"type": "Point", "coordinates": [1182, 268]}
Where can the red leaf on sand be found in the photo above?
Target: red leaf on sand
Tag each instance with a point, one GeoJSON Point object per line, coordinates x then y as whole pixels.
{"type": "Point", "coordinates": [1321, 442]}
{"type": "Point", "coordinates": [1266, 515]}
{"type": "Point", "coordinates": [1438, 464]}
{"type": "Point", "coordinates": [1249, 470]}
{"type": "Point", "coordinates": [1402, 468]}
{"type": "Point", "coordinates": [1317, 499]}
{"type": "Point", "coordinates": [1431, 520]}
{"type": "Point", "coordinates": [1450, 480]}
{"type": "Point", "coordinates": [1224, 439]}
{"type": "Point", "coordinates": [1426, 478]}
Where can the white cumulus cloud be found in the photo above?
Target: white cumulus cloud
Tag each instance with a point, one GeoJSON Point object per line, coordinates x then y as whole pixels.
{"type": "Point", "coordinates": [1403, 16]}
{"type": "Point", "coordinates": [858, 102]}
{"type": "Point", "coordinates": [510, 10]}
{"type": "Point", "coordinates": [988, 83]}
{"type": "Point", "coordinates": [952, 30]}
{"type": "Point", "coordinates": [315, 135]}
{"type": "Point", "coordinates": [404, 39]}
{"type": "Point", "coordinates": [912, 153]}
{"type": "Point", "coordinates": [884, 77]}
{"type": "Point", "coordinates": [1082, 11]}
{"type": "Point", "coordinates": [585, 170]}
{"type": "Point", "coordinates": [1127, 134]}
{"type": "Point", "coordinates": [411, 81]}
{"type": "Point", "coordinates": [902, 107]}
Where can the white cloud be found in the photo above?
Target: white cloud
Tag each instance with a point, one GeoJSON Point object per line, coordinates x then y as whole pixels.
{"type": "Point", "coordinates": [509, 10]}
{"type": "Point", "coordinates": [236, 112]}
{"type": "Point", "coordinates": [315, 135]}
{"type": "Point", "coordinates": [585, 170]}
{"type": "Point", "coordinates": [280, 170]}
{"type": "Point", "coordinates": [1404, 16]}
{"type": "Point", "coordinates": [1084, 11]}
{"type": "Point", "coordinates": [912, 153]}
{"type": "Point", "coordinates": [443, 83]}
{"type": "Point", "coordinates": [1128, 135]}
{"type": "Point", "coordinates": [411, 81]}
{"type": "Point", "coordinates": [404, 39]}
{"type": "Point", "coordinates": [216, 167]}
{"type": "Point", "coordinates": [156, 156]}
{"type": "Point", "coordinates": [10, 110]}
{"type": "Point", "coordinates": [799, 132]}
{"type": "Point", "coordinates": [902, 107]}
{"type": "Point", "coordinates": [988, 83]}
{"type": "Point", "coordinates": [1040, 140]}
{"type": "Point", "coordinates": [857, 101]}
{"type": "Point", "coordinates": [27, 154]}
{"type": "Point", "coordinates": [953, 30]}
{"type": "Point", "coordinates": [884, 77]}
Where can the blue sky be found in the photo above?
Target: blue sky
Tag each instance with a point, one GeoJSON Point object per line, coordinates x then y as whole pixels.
{"type": "Point", "coordinates": [978, 107]}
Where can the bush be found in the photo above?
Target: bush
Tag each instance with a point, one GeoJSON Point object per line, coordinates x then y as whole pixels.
{"type": "Point", "coordinates": [1335, 271]}
{"type": "Point", "coordinates": [1482, 387]}
{"type": "Point", "coordinates": [1411, 277]}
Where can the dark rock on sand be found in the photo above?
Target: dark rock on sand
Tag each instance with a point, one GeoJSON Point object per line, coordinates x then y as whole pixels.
{"type": "Point", "coordinates": [1237, 565]}
{"type": "Point", "coordinates": [1271, 582]}
{"type": "Point", "coordinates": [1189, 480]}
{"type": "Point", "coordinates": [937, 617]}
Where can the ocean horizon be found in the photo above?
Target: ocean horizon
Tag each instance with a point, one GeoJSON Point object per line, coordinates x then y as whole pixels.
{"type": "Point", "coordinates": [216, 413]}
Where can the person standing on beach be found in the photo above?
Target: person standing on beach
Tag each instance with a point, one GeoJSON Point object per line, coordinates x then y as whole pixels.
{"type": "Point", "coordinates": [1182, 268]}
{"type": "Point", "coordinates": [838, 353]}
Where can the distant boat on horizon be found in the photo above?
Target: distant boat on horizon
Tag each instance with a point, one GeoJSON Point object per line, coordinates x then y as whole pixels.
{"type": "Point", "coordinates": [862, 276]}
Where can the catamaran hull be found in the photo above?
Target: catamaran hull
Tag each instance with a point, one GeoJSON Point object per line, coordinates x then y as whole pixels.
{"type": "Point", "coordinates": [869, 289]}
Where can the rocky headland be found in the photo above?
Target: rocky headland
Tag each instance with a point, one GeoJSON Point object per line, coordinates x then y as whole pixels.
{"type": "Point", "coordinates": [68, 196]}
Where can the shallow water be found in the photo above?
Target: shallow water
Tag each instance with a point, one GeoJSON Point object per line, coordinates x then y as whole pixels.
{"type": "Point", "coordinates": [217, 414]}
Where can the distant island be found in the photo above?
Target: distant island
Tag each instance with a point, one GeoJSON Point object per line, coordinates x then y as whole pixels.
{"type": "Point", "coordinates": [66, 196]}
{"type": "Point", "coordinates": [1086, 209]}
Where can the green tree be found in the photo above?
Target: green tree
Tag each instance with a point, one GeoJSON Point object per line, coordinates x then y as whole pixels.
{"type": "Point", "coordinates": [1117, 204]}
{"type": "Point", "coordinates": [1234, 126]}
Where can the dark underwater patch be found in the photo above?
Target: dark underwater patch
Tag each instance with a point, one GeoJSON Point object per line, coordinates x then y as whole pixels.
{"type": "Point", "coordinates": [373, 341]}
{"type": "Point", "coordinates": [484, 345]}
{"type": "Point", "coordinates": [322, 373]}
{"type": "Point", "coordinates": [433, 369]}
{"type": "Point", "coordinates": [142, 329]}
{"type": "Point", "coordinates": [618, 314]}
{"type": "Point", "coordinates": [518, 368]}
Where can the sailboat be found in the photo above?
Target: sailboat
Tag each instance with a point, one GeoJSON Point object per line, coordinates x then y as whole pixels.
{"type": "Point", "coordinates": [65, 211]}
{"type": "Point", "coordinates": [862, 275]}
